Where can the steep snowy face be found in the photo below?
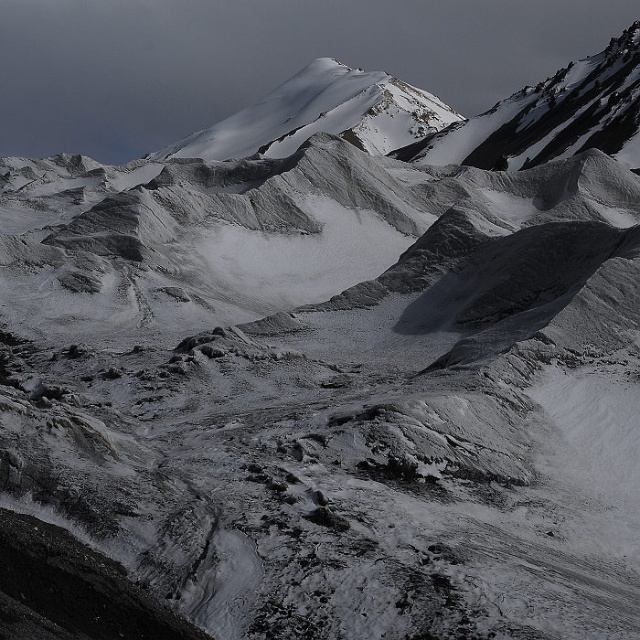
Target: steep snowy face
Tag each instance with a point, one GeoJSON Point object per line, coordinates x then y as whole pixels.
{"type": "Point", "coordinates": [594, 103]}
{"type": "Point", "coordinates": [373, 110]}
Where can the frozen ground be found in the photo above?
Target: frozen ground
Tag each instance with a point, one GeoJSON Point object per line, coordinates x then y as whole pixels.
{"type": "Point", "coordinates": [439, 441]}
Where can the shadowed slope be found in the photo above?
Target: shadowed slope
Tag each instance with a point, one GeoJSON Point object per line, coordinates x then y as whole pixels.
{"type": "Point", "coordinates": [591, 104]}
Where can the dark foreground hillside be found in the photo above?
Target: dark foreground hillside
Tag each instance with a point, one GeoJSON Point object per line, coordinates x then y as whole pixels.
{"type": "Point", "coordinates": [55, 588]}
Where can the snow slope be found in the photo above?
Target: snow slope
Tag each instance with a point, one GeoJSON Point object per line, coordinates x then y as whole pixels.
{"type": "Point", "coordinates": [591, 104]}
{"type": "Point", "coordinates": [326, 396]}
{"type": "Point", "coordinates": [373, 110]}
{"type": "Point", "coordinates": [35, 194]}
{"type": "Point", "coordinates": [232, 242]}
{"type": "Point", "coordinates": [205, 242]}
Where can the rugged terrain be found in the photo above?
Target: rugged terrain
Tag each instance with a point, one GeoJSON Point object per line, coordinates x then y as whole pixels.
{"type": "Point", "coordinates": [327, 395]}
{"type": "Point", "coordinates": [419, 455]}
{"type": "Point", "coordinates": [590, 104]}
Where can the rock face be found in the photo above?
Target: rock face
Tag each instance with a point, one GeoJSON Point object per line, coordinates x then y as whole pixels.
{"type": "Point", "coordinates": [372, 110]}
{"type": "Point", "coordinates": [594, 103]}
{"type": "Point", "coordinates": [55, 587]}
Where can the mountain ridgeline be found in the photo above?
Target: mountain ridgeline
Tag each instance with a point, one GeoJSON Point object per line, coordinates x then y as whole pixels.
{"type": "Point", "coordinates": [373, 110]}
{"type": "Point", "coordinates": [594, 103]}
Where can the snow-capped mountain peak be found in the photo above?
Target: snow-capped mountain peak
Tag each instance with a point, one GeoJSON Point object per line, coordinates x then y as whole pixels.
{"type": "Point", "coordinates": [373, 110]}
{"type": "Point", "coordinates": [594, 103]}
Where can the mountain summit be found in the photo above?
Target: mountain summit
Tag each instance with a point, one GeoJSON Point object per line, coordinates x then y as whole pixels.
{"type": "Point", "coordinates": [373, 110]}
{"type": "Point", "coordinates": [594, 103]}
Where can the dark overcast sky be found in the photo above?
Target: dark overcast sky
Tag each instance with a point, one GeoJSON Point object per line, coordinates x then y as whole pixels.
{"type": "Point", "coordinates": [115, 79]}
